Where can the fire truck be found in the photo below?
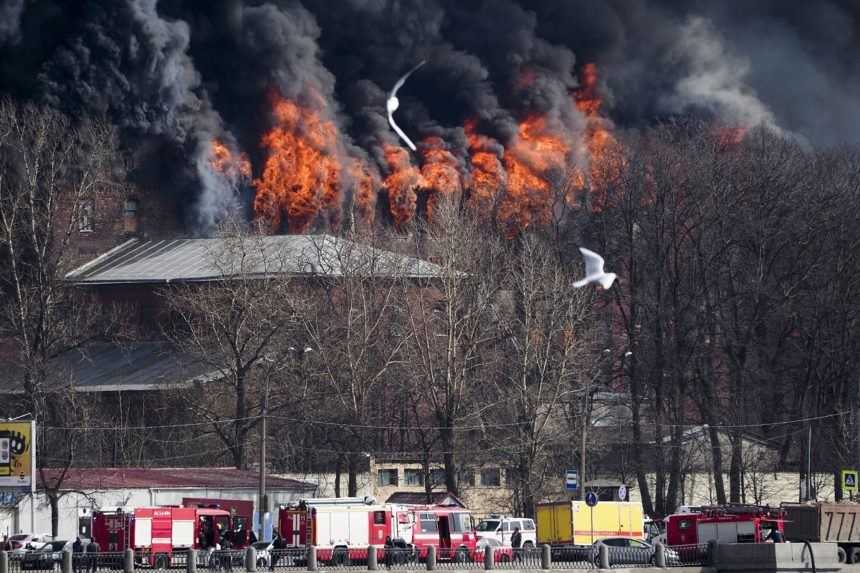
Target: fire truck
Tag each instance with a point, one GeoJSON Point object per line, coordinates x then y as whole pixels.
{"type": "Point", "coordinates": [450, 529]}
{"type": "Point", "coordinates": [343, 528]}
{"type": "Point", "coordinates": [157, 533]}
{"type": "Point", "coordinates": [733, 523]}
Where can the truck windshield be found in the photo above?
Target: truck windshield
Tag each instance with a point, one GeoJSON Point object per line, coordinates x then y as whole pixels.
{"type": "Point", "coordinates": [488, 525]}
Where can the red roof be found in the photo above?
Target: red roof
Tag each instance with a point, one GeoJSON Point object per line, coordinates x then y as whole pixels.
{"type": "Point", "coordinates": [142, 478]}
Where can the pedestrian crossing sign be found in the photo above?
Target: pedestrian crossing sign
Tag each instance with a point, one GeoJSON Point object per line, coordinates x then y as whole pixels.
{"type": "Point", "coordinates": [849, 481]}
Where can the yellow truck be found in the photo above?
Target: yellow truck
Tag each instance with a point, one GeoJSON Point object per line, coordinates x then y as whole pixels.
{"type": "Point", "coordinates": [570, 522]}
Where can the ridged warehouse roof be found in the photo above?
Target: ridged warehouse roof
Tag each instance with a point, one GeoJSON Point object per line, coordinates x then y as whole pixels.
{"type": "Point", "coordinates": [195, 260]}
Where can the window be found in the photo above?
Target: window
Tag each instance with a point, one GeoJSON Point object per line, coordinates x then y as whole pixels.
{"type": "Point", "coordinates": [460, 522]}
{"type": "Point", "coordinates": [379, 518]}
{"type": "Point", "coordinates": [488, 525]}
{"type": "Point", "coordinates": [467, 477]}
{"type": "Point", "coordinates": [491, 477]}
{"type": "Point", "coordinates": [387, 477]}
{"type": "Point", "coordinates": [414, 477]}
{"type": "Point", "coordinates": [506, 526]}
{"type": "Point", "coordinates": [85, 216]}
{"type": "Point", "coordinates": [437, 476]}
{"type": "Point", "coordinates": [427, 523]}
{"type": "Point", "coordinates": [511, 478]}
{"type": "Point", "coordinates": [129, 215]}
{"type": "Point", "coordinates": [528, 525]}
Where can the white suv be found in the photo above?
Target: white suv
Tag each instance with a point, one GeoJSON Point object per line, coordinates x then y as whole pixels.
{"type": "Point", "coordinates": [497, 531]}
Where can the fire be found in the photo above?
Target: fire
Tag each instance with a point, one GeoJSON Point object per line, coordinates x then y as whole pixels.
{"type": "Point", "coordinates": [440, 171]}
{"type": "Point", "coordinates": [235, 167]}
{"type": "Point", "coordinates": [402, 183]}
{"type": "Point", "coordinates": [365, 183]}
{"type": "Point", "coordinates": [605, 154]}
{"type": "Point", "coordinates": [488, 174]}
{"type": "Point", "coordinates": [532, 159]}
{"type": "Point", "coordinates": [301, 175]}
{"type": "Point", "coordinates": [728, 137]}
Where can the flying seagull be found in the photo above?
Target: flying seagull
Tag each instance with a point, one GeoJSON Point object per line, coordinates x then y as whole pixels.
{"type": "Point", "coordinates": [393, 103]}
{"type": "Point", "coordinates": [594, 270]}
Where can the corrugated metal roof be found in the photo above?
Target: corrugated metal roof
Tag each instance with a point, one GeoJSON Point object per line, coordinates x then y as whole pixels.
{"type": "Point", "coordinates": [87, 479]}
{"type": "Point", "coordinates": [137, 261]}
{"type": "Point", "coordinates": [108, 367]}
{"type": "Point", "coordinates": [420, 498]}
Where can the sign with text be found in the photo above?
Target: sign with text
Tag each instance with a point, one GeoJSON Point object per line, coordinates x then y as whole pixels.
{"type": "Point", "coordinates": [17, 455]}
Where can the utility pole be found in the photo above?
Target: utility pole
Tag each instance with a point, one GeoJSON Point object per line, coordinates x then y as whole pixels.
{"type": "Point", "coordinates": [264, 499]}
{"type": "Point", "coordinates": [584, 441]}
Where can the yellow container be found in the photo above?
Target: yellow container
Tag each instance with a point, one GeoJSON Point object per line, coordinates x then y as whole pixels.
{"type": "Point", "coordinates": [573, 522]}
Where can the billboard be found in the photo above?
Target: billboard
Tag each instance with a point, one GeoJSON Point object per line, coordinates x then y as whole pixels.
{"type": "Point", "coordinates": [17, 455]}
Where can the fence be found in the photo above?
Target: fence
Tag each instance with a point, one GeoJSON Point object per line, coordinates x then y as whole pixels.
{"type": "Point", "coordinates": [369, 559]}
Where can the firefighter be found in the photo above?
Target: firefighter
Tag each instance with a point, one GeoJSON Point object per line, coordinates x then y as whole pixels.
{"type": "Point", "coordinates": [277, 547]}
{"type": "Point", "coordinates": [77, 554]}
{"type": "Point", "coordinates": [93, 556]}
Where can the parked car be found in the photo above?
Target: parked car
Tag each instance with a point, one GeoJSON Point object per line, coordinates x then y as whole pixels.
{"type": "Point", "coordinates": [21, 541]}
{"type": "Point", "coordinates": [501, 528]}
{"type": "Point", "coordinates": [264, 555]}
{"type": "Point", "coordinates": [627, 551]}
{"type": "Point", "coordinates": [47, 557]}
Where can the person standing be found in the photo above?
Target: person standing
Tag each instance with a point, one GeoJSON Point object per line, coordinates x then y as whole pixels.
{"type": "Point", "coordinates": [277, 547]}
{"type": "Point", "coordinates": [516, 543]}
{"type": "Point", "coordinates": [77, 554]}
{"type": "Point", "coordinates": [93, 556]}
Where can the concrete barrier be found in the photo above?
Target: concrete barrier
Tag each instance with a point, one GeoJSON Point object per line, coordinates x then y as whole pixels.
{"type": "Point", "coordinates": [766, 557]}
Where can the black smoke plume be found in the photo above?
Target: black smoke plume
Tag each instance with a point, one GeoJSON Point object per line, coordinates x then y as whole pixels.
{"type": "Point", "coordinates": [176, 75]}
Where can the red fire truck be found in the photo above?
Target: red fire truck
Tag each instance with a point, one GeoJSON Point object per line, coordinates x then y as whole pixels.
{"type": "Point", "coordinates": [450, 529]}
{"type": "Point", "coordinates": [157, 533]}
{"type": "Point", "coordinates": [725, 524]}
{"type": "Point", "coordinates": [343, 528]}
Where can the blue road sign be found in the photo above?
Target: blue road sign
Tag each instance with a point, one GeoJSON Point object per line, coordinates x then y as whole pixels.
{"type": "Point", "coordinates": [591, 499]}
{"type": "Point", "coordinates": [571, 480]}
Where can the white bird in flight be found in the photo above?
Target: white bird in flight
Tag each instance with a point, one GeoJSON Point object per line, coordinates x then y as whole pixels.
{"type": "Point", "coordinates": [393, 103]}
{"type": "Point", "coordinates": [594, 271]}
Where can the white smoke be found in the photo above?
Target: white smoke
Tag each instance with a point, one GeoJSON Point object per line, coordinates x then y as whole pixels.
{"type": "Point", "coordinates": [716, 78]}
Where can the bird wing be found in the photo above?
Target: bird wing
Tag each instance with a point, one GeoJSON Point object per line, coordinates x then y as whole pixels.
{"type": "Point", "coordinates": [403, 79]}
{"type": "Point", "coordinates": [399, 131]}
{"type": "Point", "coordinates": [593, 262]}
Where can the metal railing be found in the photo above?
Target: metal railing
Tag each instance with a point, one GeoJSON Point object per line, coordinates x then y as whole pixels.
{"type": "Point", "coordinates": [687, 555]}
{"type": "Point", "coordinates": [371, 558]}
{"type": "Point", "coordinates": [282, 558]}
{"type": "Point", "coordinates": [573, 557]}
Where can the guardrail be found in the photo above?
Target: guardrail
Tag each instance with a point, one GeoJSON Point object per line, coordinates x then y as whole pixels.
{"type": "Point", "coordinates": [370, 559]}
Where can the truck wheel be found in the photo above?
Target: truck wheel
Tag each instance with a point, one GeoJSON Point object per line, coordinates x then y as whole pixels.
{"type": "Point", "coordinates": [841, 555]}
{"type": "Point", "coordinates": [528, 547]}
{"type": "Point", "coordinates": [340, 557]}
{"type": "Point", "coordinates": [854, 555]}
{"type": "Point", "coordinates": [161, 561]}
{"type": "Point", "coordinates": [462, 555]}
{"type": "Point", "coordinates": [261, 563]}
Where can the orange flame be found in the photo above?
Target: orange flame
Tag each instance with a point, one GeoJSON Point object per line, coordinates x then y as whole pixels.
{"type": "Point", "coordinates": [532, 159]}
{"type": "Point", "coordinates": [402, 183]}
{"type": "Point", "coordinates": [488, 174]}
{"type": "Point", "coordinates": [235, 168]}
{"type": "Point", "coordinates": [440, 171]}
{"type": "Point", "coordinates": [606, 156]}
{"type": "Point", "coordinates": [302, 173]}
{"type": "Point", "coordinates": [365, 184]}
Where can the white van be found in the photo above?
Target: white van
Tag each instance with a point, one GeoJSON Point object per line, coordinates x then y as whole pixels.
{"type": "Point", "coordinates": [496, 531]}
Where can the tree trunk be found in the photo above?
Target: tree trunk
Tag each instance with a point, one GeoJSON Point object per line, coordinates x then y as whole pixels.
{"type": "Point", "coordinates": [446, 435]}
{"type": "Point", "coordinates": [352, 482]}
{"type": "Point", "coordinates": [337, 472]}
{"type": "Point", "coordinates": [736, 469]}
{"type": "Point", "coordinates": [54, 501]}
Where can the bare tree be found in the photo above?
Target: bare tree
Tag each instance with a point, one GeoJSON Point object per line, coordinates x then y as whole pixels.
{"type": "Point", "coordinates": [446, 317]}
{"type": "Point", "coordinates": [239, 326]}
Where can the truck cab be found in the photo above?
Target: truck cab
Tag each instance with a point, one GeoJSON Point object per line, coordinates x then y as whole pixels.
{"type": "Point", "coordinates": [450, 529]}
{"type": "Point", "coordinates": [500, 528]}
